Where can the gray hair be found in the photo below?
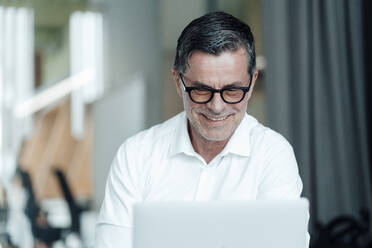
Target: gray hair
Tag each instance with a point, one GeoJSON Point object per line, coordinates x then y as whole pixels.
{"type": "Point", "coordinates": [214, 33]}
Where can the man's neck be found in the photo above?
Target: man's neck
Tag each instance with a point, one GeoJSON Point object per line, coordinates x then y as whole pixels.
{"type": "Point", "coordinates": [207, 149]}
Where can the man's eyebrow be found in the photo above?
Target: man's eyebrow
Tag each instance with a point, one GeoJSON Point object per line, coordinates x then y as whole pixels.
{"type": "Point", "coordinates": [201, 84]}
{"type": "Point", "coordinates": [197, 83]}
{"type": "Point", "coordinates": [236, 83]}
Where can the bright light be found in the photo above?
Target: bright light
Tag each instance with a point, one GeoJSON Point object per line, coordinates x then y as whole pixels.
{"type": "Point", "coordinates": [16, 80]}
{"type": "Point", "coordinates": [53, 94]}
{"type": "Point", "coordinates": [1, 85]}
{"type": "Point", "coordinates": [86, 52]}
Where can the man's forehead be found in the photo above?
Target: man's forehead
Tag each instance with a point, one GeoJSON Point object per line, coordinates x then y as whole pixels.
{"type": "Point", "coordinates": [200, 62]}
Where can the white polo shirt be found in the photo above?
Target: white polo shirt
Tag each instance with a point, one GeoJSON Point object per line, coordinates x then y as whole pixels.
{"type": "Point", "coordinates": [160, 164]}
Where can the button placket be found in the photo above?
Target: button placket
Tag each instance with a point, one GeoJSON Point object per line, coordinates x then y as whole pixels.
{"type": "Point", "coordinates": [207, 182]}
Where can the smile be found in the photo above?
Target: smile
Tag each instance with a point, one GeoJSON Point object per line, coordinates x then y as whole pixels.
{"type": "Point", "coordinates": [215, 118]}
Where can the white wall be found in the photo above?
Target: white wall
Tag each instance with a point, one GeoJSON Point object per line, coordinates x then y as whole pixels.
{"type": "Point", "coordinates": [132, 44]}
{"type": "Point", "coordinates": [117, 116]}
{"type": "Point", "coordinates": [175, 15]}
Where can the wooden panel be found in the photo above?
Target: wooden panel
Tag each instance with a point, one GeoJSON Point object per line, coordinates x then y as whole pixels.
{"type": "Point", "coordinates": [51, 145]}
{"type": "Point", "coordinates": [80, 170]}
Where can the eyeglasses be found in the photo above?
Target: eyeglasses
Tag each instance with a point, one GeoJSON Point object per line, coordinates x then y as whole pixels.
{"type": "Point", "coordinates": [204, 94]}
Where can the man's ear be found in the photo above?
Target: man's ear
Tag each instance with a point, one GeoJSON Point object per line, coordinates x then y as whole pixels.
{"type": "Point", "coordinates": [254, 78]}
{"type": "Point", "coordinates": [176, 80]}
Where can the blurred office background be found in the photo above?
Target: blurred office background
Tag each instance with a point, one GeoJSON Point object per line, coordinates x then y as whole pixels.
{"type": "Point", "coordinates": [77, 77]}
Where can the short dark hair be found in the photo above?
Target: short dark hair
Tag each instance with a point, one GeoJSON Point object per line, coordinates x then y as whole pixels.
{"type": "Point", "coordinates": [214, 33]}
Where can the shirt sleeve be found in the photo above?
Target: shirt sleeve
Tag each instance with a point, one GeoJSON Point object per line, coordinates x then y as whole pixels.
{"type": "Point", "coordinates": [108, 236]}
{"type": "Point", "coordinates": [280, 177]}
{"type": "Point", "coordinates": [114, 225]}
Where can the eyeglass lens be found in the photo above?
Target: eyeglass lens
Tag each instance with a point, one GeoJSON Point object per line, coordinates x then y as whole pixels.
{"type": "Point", "coordinates": [229, 95]}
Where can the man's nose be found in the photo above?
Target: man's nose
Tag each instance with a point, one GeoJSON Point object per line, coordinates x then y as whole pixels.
{"type": "Point", "coordinates": [217, 105]}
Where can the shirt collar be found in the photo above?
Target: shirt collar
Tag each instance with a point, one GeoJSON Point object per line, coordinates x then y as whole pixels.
{"type": "Point", "coordinates": [239, 142]}
{"type": "Point", "coordinates": [181, 142]}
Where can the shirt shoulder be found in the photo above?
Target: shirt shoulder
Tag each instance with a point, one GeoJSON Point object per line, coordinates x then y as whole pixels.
{"type": "Point", "coordinates": [276, 164]}
{"type": "Point", "coordinates": [265, 136]}
{"type": "Point", "coordinates": [159, 135]}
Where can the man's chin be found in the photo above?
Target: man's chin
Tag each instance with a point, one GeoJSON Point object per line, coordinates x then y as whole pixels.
{"type": "Point", "coordinates": [216, 137]}
{"type": "Point", "coordinates": [212, 134]}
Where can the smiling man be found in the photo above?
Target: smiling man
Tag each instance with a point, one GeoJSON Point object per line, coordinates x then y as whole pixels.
{"type": "Point", "coordinates": [213, 150]}
{"type": "Point", "coordinates": [212, 119]}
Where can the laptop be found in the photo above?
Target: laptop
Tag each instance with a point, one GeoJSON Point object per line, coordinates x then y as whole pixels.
{"type": "Point", "coordinates": [257, 224]}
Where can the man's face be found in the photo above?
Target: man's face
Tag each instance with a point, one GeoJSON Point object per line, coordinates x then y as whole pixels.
{"type": "Point", "coordinates": [215, 120]}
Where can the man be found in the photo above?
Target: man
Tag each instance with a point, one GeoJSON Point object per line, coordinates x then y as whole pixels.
{"type": "Point", "coordinates": [213, 150]}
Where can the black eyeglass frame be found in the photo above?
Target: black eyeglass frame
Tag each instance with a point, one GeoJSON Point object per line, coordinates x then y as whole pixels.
{"type": "Point", "coordinates": [189, 89]}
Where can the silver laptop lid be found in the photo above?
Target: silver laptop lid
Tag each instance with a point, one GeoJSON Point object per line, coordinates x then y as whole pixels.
{"type": "Point", "coordinates": [262, 223]}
